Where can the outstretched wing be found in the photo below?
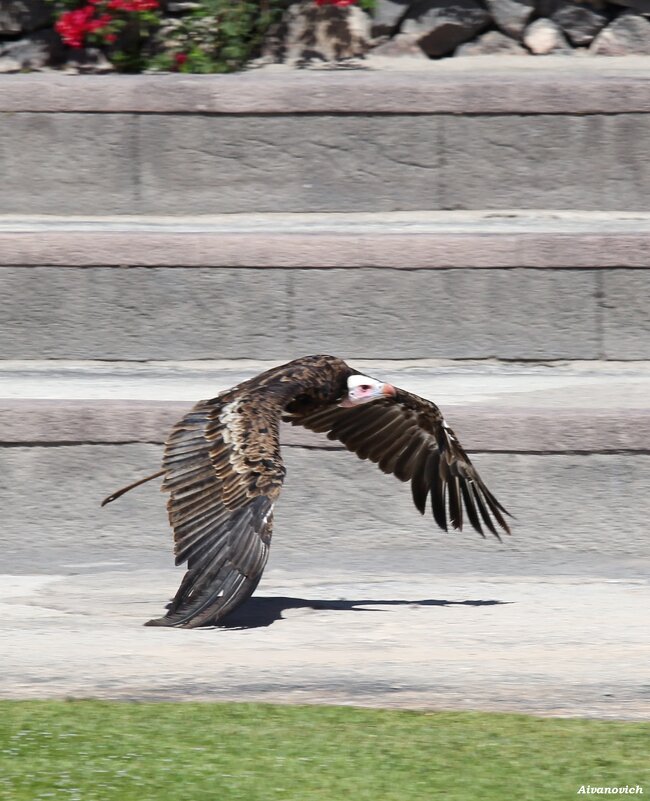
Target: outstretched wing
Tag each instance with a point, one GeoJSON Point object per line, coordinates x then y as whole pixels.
{"type": "Point", "coordinates": [407, 436]}
{"type": "Point", "coordinates": [223, 472]}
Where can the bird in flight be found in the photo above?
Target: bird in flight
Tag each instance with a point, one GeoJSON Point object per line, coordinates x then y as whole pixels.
{"type": "Point", "coordinates": [223, 471]}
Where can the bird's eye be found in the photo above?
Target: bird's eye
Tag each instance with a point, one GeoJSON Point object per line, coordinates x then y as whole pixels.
{"type": "Point", "coordinates": [365, 387]}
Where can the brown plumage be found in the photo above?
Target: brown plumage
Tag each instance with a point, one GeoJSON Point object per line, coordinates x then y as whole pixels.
{"type": "Point", "coordinates": [223, 471]}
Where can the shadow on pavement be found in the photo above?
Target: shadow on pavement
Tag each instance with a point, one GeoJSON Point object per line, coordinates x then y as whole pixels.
{"type": "Point", "coordinates": [260, 611]}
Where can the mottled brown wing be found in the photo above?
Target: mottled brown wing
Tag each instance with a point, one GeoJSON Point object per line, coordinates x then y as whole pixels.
{"type": "Point", "coordinates": [223, 472]}
{"type": "Point", "coordinates": [408, 437]}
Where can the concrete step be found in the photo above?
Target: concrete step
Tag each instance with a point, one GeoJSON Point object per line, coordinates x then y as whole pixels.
{"type": "Point", "coordinates": [566, 448]}
{"type": "Point", "coordinates": [572, 407]}
{"type": "Point", "coordinates": [532, 285]}
{"type": "Point", "coordinates": [464, 133]}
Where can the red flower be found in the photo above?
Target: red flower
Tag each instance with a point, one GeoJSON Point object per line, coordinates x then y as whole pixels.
{"type": "Point", "coordinates": [73, 25]}
{"type": "Point", "coordinates": [97, 24]}
{"type": "Point", "coordinates": [339, 3]}
{"type": "Point", "coordinates": [179, 60]}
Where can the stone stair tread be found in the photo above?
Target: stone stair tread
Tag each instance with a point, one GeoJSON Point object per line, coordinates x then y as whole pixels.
{"type": "Point", "coordinates": [538, 238]}
{"type": "Point", "coordinates": [516, 84]}
{"type": "Point", "coordinates": [579, 406]}
{"type": "Point", "coordinates": [505, 221]}
{"type": "Point", "coordinates": [578, 384]}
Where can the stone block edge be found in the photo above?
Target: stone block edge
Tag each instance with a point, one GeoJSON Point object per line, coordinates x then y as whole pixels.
{"type": "Point", "coordinates": [551, 250]}
{"type": "Point", "coordinates": [481, 427]}
{"type": "Point", "coordinates": [475, 87]}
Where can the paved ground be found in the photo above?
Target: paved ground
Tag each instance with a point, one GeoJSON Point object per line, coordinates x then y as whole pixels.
{"type": "Point", "coordinates": [569, 644]}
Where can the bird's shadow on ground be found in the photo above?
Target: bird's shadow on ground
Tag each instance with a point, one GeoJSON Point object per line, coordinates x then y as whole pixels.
{"type": "Point", "coordinates": [260, 611]}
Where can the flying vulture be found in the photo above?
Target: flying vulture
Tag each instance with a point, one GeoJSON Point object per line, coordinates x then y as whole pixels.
{"type": "Point", "coordinates": [223, 471]}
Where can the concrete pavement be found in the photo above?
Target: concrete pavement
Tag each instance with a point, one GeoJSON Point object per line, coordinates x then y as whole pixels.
{"type": "Point", "coordinates": [568, 645]}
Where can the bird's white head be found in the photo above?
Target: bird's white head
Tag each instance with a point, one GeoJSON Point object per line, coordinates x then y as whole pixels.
{"type": "Point", "coordinates": [362, 389]}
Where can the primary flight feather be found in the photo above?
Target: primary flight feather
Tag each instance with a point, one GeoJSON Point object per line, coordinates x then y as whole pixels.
{"type": "Point", "coordinates": [223, 471]}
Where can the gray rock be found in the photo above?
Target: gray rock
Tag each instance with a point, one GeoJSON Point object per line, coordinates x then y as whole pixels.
{"type": "Point", "coordinates": [90, 60]}
{"type": "Point", "coordinates": [182, 7]}
{"type": "Point", "coordinates": [23, 16]}
{"type": "Point", "coordinates": [640, 6]}
{"type": "Point", "coordinates": [546, 8]}
{"type": "Point", "coordinates": [627, 35]}
{"type": "Point", "coordinates": [511, 15]}
{"type": "Point", "coordinates": [441, 26]}
{"type": "Point", "coordinates": [387, 14]}
{"type": "Point", "coordinates": [38, 51]}
{"type": "Point", "coordinates": [400, 46]}
{"type": "Point", "coordinates": [9, 64]}
{"type": "Point", "coordinates": [578, 21]}
{"type": "Point", "coordinates": [318, 33]}
{"type": "Point", "coordinates": [543, 37]}
{"type": "Point", "coordinates": [491, 43]}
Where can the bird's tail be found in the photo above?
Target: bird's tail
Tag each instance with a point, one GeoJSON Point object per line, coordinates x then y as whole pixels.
{"type": "Point", "coordinates": [135, 484]}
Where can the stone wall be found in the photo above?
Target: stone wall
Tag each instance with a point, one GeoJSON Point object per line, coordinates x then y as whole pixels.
{"type": "Point", "coordinates": [320, 498]}
{"type": "Point", "coordinates": [144, 313]}
{"type": "Point", "coordinates": [307, 141]}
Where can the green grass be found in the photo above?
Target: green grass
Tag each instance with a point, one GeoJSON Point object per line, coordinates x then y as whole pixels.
{"type": "Point", "coordinates": [100, 751]}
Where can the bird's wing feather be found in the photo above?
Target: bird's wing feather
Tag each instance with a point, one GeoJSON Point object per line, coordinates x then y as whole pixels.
{"type": "Point", "coordinates": [223, 472]}
{"type": "Point", "coordinates": [407, 436]}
